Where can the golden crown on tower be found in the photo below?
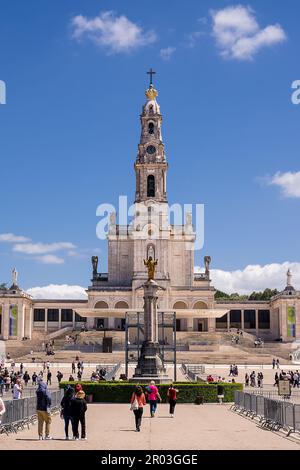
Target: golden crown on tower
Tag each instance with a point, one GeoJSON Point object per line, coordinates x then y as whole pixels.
{"type": "Point", "coordinates": [151, 93]}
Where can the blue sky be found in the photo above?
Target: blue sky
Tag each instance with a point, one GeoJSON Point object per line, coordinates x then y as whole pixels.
{"type": "Point", "coordinates": [75, 78]}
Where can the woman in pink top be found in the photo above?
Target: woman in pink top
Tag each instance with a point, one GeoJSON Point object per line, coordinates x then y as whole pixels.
{"type": "Point", "coordinates": [138, 401]}
{"type": "Point", "coordinates": [153, 396]}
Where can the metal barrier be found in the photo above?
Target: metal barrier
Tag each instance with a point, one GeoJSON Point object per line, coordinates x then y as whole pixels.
{"type": "Point", "coordinates": [193, 372]}
{"type": "Point", "coordinates": [22, 412]}
{"type": "Point", "coordinates": [272, 414]}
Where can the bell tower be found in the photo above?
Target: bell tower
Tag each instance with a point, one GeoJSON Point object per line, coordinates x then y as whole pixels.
{"type": "Point", "coordinates": [151, 166]}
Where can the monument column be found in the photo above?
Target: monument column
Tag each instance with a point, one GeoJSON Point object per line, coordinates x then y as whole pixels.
{"type": "Point", "coordinates": [59, 318]}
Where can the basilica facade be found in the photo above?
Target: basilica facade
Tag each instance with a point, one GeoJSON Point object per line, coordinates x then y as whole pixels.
{"type": "Point", "coordinates": [150, 234]}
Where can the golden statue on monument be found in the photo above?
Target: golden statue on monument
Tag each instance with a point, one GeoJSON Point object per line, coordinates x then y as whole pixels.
{"type": "Point", "coordinates": [150, 263]}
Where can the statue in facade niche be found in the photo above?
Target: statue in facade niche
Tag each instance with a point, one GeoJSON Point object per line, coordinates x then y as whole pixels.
{"type": "Point", "coordinates": [151, 264]}
{"type": "Point", "coordinates": [207, 261]}
{"type": "Point", "coordinates": [95, 265]}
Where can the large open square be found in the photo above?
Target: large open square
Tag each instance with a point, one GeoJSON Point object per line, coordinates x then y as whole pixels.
{"type": "Point", "coordinates": [203, 427]}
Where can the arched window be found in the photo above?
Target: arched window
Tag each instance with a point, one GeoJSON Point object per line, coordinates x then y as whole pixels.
{"type": "Point", "coordinates": [151, 186]}
{"type": "Point", "coordinates": [151, 128]}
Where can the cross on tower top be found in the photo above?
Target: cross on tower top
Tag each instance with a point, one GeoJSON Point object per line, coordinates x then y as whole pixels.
{"type": "Point", "coordinates": [151, 72]}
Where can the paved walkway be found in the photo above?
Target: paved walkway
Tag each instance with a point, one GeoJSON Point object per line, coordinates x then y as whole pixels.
{"type": "Point", "coordinates": [111, 427]}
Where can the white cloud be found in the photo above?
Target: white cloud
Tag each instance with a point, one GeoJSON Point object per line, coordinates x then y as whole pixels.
{"type": "Point", "coordinates": [288, 182]}
{"type": "Point", "coordinates": [238, 35]}
{"type": "Point", "coordinates": [255, 278]}
{"type": "Point", "coordinates": [12, 238]}
{"type": "Point", "coordinates": [58, 291]}
{"type": "Point", "coordinates": [42, 248]}
{"type": "Point", "coordinates": [115, 33]}
{"type": "Point", "coordinates": [50, 259]}
{"type": "Point", "coordinates": [167, 52]}
{"type": "Point", "coordinates": [193, 38]}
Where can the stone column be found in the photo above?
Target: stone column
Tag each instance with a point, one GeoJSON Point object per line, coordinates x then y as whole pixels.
{"type": "Point", "coordinates": [46, 320]}
{"type": "Point", "coordinates": [190, 324]}
{"type": "Point", "coordinates": [30, 323]}
{"type": "Point", "coordinates": [73, 320]}
{"type": "Point", "coordinates": [256, 321]}
{"type": "Point", "coordinates": [5, 321]}
{"type": "Point", "coordinates": [243, 319]}
{"type": "Point", "coordinates": [211, 324]}
{"type": "Point", "coordinates": [59, 318]}
{"type": "Point", "coordinates": [228, 321]}
{"type": "Point", "coordinates": [111, 323]}
{"type": "Point", "coordinates": [21, 320]}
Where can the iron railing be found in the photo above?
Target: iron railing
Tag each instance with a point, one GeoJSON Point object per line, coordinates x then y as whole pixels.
{"type": "Point", "coordinates": [22, 412]}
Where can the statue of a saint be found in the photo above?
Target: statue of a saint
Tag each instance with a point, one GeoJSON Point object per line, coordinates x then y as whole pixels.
{"type": "Point", "coordinates": [112, 218]}
{"type": "Point", "coordinates": [150, 263]}
{"type": "Point", "coordinates": [207, 261]}
{"type": "Point", "coordinates": [14, 277]}
{"type": "Point", "coordinates": [289, 278]}
{"type": "Point", "coordinates": [95, 265]}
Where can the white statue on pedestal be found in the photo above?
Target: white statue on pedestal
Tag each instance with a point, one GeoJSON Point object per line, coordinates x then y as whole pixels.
{"type": "Point", "coordinates": [289, 278]}
{"type": "Point", "coordinates": [14, 277]}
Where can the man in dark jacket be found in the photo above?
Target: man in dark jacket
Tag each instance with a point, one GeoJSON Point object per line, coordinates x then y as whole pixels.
{"type": "Point", "coordinates": [78, 410]}
{"type": "Point", "coordinates": [43, 406]}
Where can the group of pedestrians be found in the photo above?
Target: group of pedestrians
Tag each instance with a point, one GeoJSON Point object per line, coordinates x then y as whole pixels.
{"type": "Point", "coordinates": [73, 409]}
{"type": "Point", "coordinates": [293, 376]}
{"type": "Point", "coordinates": [138, 401]}
{"type": "Point", "coordinates": [233, 370]}
{"type": "Point", "coordinates": [254, 380]}
{"type": "Point", "coordinates": [275, 363]}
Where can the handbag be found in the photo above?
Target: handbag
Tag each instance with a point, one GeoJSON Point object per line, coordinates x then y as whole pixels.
{"type": "Point", "coordinates": [134, 405]}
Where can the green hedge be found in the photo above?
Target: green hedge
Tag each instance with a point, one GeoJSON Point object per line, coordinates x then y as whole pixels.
{"type": "Point", "coordinates": [120, 392]}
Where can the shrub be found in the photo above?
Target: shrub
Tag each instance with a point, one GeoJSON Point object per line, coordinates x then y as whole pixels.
{"type": "Point", "coordinates": [120, 392]}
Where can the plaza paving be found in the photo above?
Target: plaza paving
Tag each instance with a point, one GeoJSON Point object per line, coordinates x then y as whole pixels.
{"type": "Point", "coordinates": [111, 427]}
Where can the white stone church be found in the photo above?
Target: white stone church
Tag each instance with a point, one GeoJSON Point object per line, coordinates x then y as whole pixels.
{"type": "Point", "coordinates": [113, 294]}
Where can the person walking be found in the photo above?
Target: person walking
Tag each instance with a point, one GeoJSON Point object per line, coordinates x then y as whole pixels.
{"type": "Point", "coordinates": [26, 378]}
{"type": "Point", "coordinates": [172, 399]}
{"type": "Point", "coordinates": [153, 397]}
{"type": "Point", "coordinates": [34, 378]}
{"type": "Point", "coordinates": [277, 363]}
{"type": "Point", "coordinates": [43, 407]}
{"type": "Point", "coordinates": [2, 409]}
{"type": "Point", "coordinates": [138, 401]}
{"type": "Point", "coordinates": [59, 376]}
{"type": "Point", "coordinates": [17, 390]}
{"type": "Point", "coordinates": [247, 380]}
{"type": "Point", "coordinates": [66, 409]}
{"type": "Point", "coordinates": [73, 368]}
{"type": "Point", "coordinates": [78, 410]}
{"type": "Point", "coordinates": [274, 363]}
{"type": "Point", "coordinates": [49, 375]}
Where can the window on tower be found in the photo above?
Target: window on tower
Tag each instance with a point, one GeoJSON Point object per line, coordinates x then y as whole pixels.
{"type": "Point", "coordinates": [151, 186]}
{"type": "Point", "coordinates": [151, 128]}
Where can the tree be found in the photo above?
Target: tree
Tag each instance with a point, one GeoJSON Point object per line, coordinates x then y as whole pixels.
{"type": "Point", "coordinates": [3, 286]}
